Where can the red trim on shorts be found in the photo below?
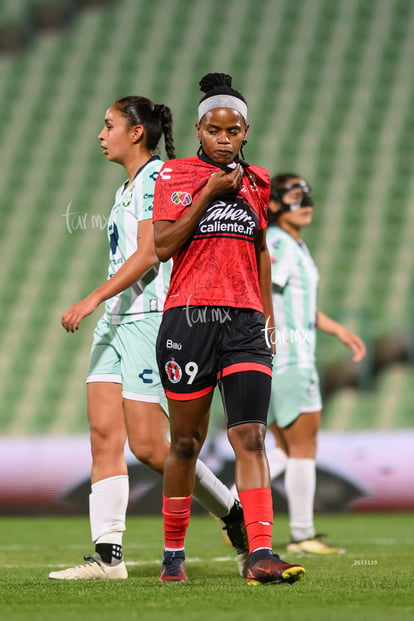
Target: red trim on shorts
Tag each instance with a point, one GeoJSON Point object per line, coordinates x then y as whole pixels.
{"type": "Point", "coordinates": [188, 396]}
{"type": "Point", "coordinates": [239, 367]}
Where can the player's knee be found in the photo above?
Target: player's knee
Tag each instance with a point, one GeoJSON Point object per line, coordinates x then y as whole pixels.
{"type": "Point", "coordinates": [248, 437]}
{"type": "Point", "coordinates": [186, 448]}
{"type": "Point", "coordinates": [152, 456]}
{"type": "Point", "coordinates": [105, 441]}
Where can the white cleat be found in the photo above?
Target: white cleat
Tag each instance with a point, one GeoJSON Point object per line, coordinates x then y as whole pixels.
{"type": "Point", "coordinates": [242, 563]}
{"type": "Point", "coordinates": [93, 569]}
{"type": "Point", "coordinates": [235, 536]}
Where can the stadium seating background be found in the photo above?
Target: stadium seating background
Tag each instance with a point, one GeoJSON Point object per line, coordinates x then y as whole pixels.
{"type": "Point", "coordinates": [331, 95]}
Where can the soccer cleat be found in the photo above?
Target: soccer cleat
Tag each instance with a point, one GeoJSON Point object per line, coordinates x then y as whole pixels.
{"type": "Point", "coordinates": [234, 533]}
{"type": "Point", "coordinates": [93, 569]}
{"type": "Point", "coordinates": [272, 570]}
{"type": "Point", "coordinates": [315, 545]}
{"type": "Point", "coordinates": [173, 568]}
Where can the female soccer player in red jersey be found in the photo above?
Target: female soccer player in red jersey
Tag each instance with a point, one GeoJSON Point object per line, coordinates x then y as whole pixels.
{"type": "Point", "coordinates": [210, 215]}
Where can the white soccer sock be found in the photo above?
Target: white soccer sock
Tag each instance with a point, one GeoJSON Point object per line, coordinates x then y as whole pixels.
{"type": "Point", "coordinates": [277, 462]}
{"type": "Point", "coordinates": [108, 503]}
{"type": "Point", "coordinates": [300, 485]}
{"type": "Point", "coordinates": [234, 491]}
{"type": "Point", "coordinates": [211, 492]}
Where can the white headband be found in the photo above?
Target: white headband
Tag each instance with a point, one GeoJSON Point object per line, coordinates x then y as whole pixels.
{"type": "Point", "coordinates": [222, 101]}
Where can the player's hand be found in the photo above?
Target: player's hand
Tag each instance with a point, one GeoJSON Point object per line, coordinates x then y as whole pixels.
{"type": "Point", "coordinates": [221, 181]}
{"type": "Point", "coordinates": [354, 343]}
{"type": "Point", "coordinates": [73, 316]}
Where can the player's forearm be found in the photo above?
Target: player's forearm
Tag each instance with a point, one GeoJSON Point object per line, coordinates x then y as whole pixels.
{"type": "Point", "coordinates": [326, 324]}
{"type": "Point", "coordinates": [134, 268]}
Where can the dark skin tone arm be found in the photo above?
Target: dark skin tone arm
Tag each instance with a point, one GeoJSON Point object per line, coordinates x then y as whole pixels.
{"type": "Point", "coordinates": [171, 236]}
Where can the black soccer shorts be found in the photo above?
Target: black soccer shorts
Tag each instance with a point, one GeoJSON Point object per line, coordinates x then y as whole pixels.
{"type": "Point", "coordinates": [199, 345]}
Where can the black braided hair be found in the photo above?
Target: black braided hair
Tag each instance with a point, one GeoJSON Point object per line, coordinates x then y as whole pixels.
{"type": "Point", "coordinates": [166, 122]}
{"type": "Point", "coordinates": [156, 120]}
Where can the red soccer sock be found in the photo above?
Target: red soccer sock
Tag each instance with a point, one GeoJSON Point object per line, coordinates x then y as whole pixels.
{"type": "Point", "coordinates": [258, 516]}
{"type": "Point", "coordinates": [176, 513]}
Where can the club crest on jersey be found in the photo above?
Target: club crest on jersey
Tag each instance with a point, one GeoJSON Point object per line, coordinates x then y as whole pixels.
{"type": "Point", "coordinates": [173, 371]}
{"type": "Point", "coordinates": [128, 197]}
{"type": "Point", "coordinates": [181, 198]}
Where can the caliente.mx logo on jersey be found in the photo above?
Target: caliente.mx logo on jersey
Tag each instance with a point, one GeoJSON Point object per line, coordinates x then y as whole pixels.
{"type": "Point", "coordinates": [228, 216]}
{"type": "Point", "coordinates": [173, 371]}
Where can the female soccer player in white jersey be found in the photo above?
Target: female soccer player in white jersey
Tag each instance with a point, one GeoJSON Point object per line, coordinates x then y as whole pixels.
{"type": "Point", "coordinates": [295, 405]}
{"type": "Point", "coordinates": [124, 393]}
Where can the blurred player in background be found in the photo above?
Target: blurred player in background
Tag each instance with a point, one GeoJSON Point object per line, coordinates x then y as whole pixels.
{"type": "Point", "coordinates": [124, 393]}
{"type": "Point", "coordinates": [295, 405]}
{"type": "Point", "coordinates": [210, 215]}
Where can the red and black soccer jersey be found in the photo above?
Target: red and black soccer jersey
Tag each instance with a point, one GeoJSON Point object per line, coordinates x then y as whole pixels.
{"type": "Point", "coordinates": [218, 265]}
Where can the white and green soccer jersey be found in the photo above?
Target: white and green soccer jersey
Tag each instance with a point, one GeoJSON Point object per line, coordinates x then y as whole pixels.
{"type": "Point", "coordinates": [294, 283]}
{"type": "Point", "coordinates": [133, 204]}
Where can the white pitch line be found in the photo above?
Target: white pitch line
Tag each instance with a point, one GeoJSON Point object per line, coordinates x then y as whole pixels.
{"type": "Point", "coordinates": [195, 559]}
{"type": "Point", "coordinates": [384, 541]}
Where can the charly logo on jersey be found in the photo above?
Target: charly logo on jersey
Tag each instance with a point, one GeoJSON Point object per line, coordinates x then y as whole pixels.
{"type": "Point", "coordinates": [228, 217]}
{"type": "Point", "coordinates": [181, 198]}
{"type": "Point", "coordinates": [173, 371]}
{"type": "Point", "coordinates": [165, 173]}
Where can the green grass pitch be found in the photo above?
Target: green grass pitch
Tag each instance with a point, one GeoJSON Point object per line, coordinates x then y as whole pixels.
{"type": "Point", "coordinates": [374, 580]}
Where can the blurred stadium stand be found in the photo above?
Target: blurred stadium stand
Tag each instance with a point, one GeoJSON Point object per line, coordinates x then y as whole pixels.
{"type": "Point", "coordinates": [22, 20]}
{"type": "Point", "coordinates": [331, 96]}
